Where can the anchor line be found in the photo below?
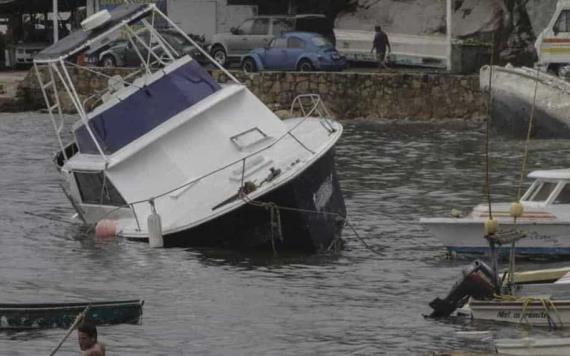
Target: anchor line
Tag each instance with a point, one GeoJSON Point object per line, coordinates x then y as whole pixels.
{"type": "Point", "coordinates": [272, 205]}
{"type": "Point", "coordinates": [512, 256]}
{"type": "Point", "coordinates": [275, 223]}
{"type": "Point", "coordinates": [487, 129]}
{"type": "Point", "coordinates": [527, 141]}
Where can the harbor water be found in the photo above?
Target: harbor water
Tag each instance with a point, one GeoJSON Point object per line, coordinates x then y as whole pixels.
{"type": "Point", "coordinates": [212, 302]}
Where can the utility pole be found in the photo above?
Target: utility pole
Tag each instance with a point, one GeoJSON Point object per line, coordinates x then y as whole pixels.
{"type": "Point", "coordinates": [448, 15]}
{"type": "Point", "coordinates": [55, 24]}
{"type": "Point", "coordinates": [290, 10]}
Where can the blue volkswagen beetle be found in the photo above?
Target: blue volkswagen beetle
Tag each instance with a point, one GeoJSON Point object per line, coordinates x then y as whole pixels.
{"type": "Point", "coordinates": [302, 51]}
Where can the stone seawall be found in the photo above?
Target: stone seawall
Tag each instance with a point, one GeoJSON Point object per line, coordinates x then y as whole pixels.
{"type": "Point", "coordinates": [348, 95]}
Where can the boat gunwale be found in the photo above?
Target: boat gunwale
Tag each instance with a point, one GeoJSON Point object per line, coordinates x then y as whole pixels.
{"type": "Point", "coordinates": [480, 220]}
{"type": "Point", "coordinates": [532, 303]}
{"type": "Point", "coordinates": [63, 305]}
{"type": "Point", "coordinates": [552, 82]}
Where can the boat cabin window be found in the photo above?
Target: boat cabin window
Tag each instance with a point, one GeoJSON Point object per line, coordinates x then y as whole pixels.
{"type": "Point", "coordinates": [543, 192]}
{"type": "Point", "coordinates": [563, 22]}
{"type": "Point", "coordinates": [564, 195]}
{"type": "Point", "coordinates": [96, 188]}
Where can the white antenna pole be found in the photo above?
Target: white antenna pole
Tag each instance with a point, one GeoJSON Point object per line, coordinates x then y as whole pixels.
{"type": "Point", "coordinates": [55, 25]}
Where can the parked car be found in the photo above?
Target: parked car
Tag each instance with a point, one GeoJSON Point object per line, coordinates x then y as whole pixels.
{"type": "Point", "coordinates": [256, 32]}
{"type": "Point", "coordinates": [120, 52]}
{"type": "Point", "coordinates": [302, 51]}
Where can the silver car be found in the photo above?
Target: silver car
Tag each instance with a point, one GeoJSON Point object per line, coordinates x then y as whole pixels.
{"type": "Point", "coordinates": [258, 31]}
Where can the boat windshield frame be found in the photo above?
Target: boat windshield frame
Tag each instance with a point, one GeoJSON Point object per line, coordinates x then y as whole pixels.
{"type": "Point", "coordinates": [545, 191]}
{"type": "Point", "coordinates": [52, 68]}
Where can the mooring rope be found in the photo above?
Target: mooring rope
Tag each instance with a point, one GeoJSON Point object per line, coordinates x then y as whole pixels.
{"type": "Point", "coordinates": [275, 224]}
{"type": "Point", "coordinates": [527, 141]}
{"type": "Point", "coordinates": [269, 205]}
{"type": "Point", "coordinates": [512, 256]}
{"type": "Point", "coordinates": [488, 128]}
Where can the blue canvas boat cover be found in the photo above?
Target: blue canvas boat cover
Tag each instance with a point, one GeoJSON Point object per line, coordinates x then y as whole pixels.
{"type": "Point", "coordinates": [147, 108]}
{"type": "Point", "coordinates": [80, 40]}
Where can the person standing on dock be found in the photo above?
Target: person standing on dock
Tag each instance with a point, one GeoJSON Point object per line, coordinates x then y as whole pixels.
{"type": "Point", "coordinates": [87, 337]}
{"type": "Point", "coordinates": [380, 43]}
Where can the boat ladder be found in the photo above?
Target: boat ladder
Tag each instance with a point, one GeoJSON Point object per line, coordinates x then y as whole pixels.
{"type": "Point", "coordinates": [48, 89]}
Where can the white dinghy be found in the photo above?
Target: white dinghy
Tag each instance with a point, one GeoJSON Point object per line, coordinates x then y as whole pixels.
{"type": "Point", "coordinates": [535, 311]}
{"type": "Point", "coordinates": [209, 163]}
{"type": "Point", "coordinates": [545, 223]}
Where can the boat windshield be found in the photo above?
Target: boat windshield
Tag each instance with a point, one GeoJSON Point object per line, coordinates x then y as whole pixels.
{"type": "Point", "coordinates": [564, 195]}
{"type": "Point", "coordinates": [540, 192]}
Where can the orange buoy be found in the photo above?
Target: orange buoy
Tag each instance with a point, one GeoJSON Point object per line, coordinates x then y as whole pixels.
{"type": "Point", "coordinates": [106, 229]}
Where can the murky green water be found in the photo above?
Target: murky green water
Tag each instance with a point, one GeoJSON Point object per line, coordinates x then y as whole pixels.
{"type": "Point", "coordinates": [206, 302]}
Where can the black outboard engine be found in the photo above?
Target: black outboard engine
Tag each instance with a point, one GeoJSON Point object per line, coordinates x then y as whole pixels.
{"type": "Point", "coordinates": [477, 282]}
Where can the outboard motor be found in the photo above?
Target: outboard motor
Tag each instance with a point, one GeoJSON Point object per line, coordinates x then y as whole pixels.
{"type": "Point", "coordinates": [477, 282]}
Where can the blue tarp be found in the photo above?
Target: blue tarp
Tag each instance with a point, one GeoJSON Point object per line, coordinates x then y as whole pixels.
{"type": "Point", "coordinates": [146, 109]}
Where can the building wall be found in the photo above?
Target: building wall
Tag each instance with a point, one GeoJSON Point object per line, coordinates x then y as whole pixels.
{"type": "Point", "coordinates": [200, 17]}
{"type": "Point", "coordinates": [96, 5]}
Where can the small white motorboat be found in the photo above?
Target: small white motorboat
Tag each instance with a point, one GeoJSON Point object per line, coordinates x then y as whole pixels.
{"type": "Point", "coordinates": [535, 311]}
{"type": "Point", "coordinates": [534, 346]}
{"type": "Point", "coordinates": [165, 152]}
{"type": "Point", "coordinates": [545, 223]}
{"type": "Point", "coordinates": [540, 304]}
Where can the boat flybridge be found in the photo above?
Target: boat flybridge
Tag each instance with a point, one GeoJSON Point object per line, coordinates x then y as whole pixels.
{"type": "Point", "coordinates": [212, 161]}
{"type": "Point", "coordinates": [544, 224]}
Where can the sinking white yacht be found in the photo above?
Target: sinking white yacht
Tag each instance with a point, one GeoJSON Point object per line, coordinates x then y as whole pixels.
{"type": "Point", "coordinates": [545, 223]}
{"type": "Point", "coordinates": [513, 92]}
{"type": "Point", "coordinates": [212, 160]}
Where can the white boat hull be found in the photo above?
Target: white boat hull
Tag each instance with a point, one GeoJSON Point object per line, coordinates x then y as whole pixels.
{"type": "Point", "coordinates": [518, 312]}
{"type": "Point", "coordinates": [466, 235]}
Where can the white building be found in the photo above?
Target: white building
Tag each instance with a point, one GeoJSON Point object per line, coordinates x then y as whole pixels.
{"type": "Point", "coordinates": [201, 17]}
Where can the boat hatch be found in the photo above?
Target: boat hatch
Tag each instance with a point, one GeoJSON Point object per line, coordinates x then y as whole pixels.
{"type": "Point", "coordinates": [146, 108]}
{"type": "Point", "coordinates": [96, 188]}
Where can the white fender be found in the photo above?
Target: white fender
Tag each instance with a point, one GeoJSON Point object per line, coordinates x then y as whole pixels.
{"type": "Point", "coordinates": [154, 223]}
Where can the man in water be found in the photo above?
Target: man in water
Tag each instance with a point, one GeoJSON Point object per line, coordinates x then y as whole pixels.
{"type": "Point", "coordinates": [380, 43]}
{"type": "Point", "coordinates": [87, 337]}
